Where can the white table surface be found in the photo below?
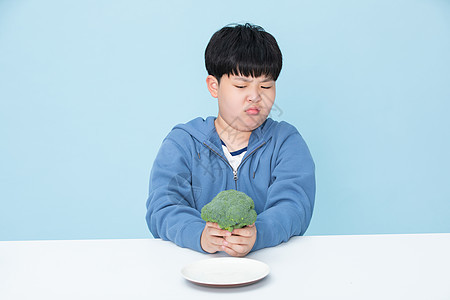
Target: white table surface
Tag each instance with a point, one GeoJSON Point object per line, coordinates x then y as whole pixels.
{"type": "Point", "coordinates": [410, 266]}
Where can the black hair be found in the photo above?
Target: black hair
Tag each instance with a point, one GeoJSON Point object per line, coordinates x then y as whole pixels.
{"type": "Point", "coordinates": [246, 50]}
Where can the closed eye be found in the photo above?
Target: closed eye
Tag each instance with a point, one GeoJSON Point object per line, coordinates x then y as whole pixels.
{"type": "Point", "coordinates": [240, 86]}
{"type": "Point", "coordinates": [266, 87]}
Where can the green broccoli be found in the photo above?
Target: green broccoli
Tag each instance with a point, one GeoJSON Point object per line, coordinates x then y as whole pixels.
{"type": "Point", "coordinates": [230, 209]}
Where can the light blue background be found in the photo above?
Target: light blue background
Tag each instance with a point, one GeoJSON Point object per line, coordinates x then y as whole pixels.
{"type": "Point", "coordinates": [88, 90]}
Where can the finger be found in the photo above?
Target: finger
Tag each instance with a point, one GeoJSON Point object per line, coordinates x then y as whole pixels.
{"type": "Point", "coordinates": [235, 250]}
{"type": "Point", "coordinates": [218, 232]}
{"type": "Point", "coordinates": [245, 231]}
{"type": "Point", "coordinates": [237, 239]}
{"type": "Point", "coordinates": [229, 251]}
{"type": "Point", "coordinates": [238, 248]}
{"type": "Point", "coordinates": [212, 225]}
{"type": "Point", "coordinates": [216, 241]}
{"type": "Point", "coordinates": [210, 243]}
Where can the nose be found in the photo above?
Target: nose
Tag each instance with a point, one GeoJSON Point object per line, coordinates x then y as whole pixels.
{"type": "Point", "coordinates": [254, 96]}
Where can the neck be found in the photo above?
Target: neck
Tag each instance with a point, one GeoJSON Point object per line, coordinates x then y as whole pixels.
{"type": "Point", "coordinates": [233, 138]}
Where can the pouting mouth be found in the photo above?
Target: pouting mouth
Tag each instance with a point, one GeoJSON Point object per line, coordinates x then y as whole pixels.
{"type": "Point", "coordinates": [253, 108]}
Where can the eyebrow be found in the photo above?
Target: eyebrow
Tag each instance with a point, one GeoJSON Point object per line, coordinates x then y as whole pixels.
{"type": "Point", "coordinates": [250, 80]}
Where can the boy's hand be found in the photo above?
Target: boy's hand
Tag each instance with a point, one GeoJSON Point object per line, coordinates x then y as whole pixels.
{"type": "Point", "coordinates": [212, 238]}
{"type": "Point", "coordinates": [241, 241]}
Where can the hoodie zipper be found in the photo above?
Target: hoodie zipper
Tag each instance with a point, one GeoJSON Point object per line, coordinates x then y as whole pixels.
{"type": "Point", "coordinates": [235, 176]}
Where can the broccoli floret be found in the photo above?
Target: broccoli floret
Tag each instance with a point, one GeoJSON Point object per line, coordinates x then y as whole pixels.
{"type": "Point", "coordinates": [230, 209]}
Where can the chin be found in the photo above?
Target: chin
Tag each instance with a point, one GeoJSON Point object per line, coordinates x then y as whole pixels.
{"type": "Point", "coordinates": [253, 124]}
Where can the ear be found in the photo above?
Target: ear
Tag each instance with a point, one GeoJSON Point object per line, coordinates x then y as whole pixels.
{"type": "Point", "coordinates": [213, 85]}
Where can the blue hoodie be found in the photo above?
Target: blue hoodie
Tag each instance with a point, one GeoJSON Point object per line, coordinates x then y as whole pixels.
{"type": "Point", "coordinates": [190, 169]}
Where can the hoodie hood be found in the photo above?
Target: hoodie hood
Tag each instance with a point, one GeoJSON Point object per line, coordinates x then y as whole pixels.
{"type": "Point", "coordinates": [204, 131]}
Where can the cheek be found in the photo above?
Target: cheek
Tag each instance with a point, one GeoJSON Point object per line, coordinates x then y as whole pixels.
{"type": "Point", "coordinates": [228, 109]}
{"type": "Point", "coordinates": [268, 100]}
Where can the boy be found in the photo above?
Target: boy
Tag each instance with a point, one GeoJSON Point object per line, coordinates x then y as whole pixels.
{"type": "Point", "coordinates": [241, 149]}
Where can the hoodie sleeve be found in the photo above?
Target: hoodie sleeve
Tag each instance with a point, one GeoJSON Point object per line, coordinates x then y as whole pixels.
{"type": "Point", "coordinates": [290, 197]}
{"type": "Point", "coordinates": [171, 213]}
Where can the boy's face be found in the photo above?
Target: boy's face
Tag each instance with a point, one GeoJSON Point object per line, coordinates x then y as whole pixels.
{"type": "Point", "coordinates": [244, 102]}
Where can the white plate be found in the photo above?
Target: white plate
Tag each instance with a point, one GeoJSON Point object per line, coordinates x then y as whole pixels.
{"type": "Point", "coordinates": [225, 271]}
